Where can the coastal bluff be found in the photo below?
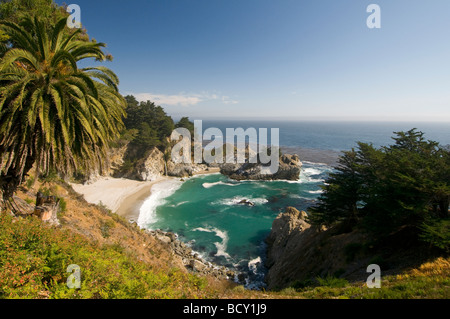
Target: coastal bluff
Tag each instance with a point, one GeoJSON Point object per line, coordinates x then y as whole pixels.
{"type": "Point", "coordinates": [298, 252]}
{"type": "Point", "coordinates": [154, 164]}
{"type": "Point", "coordinates": [149, 167]}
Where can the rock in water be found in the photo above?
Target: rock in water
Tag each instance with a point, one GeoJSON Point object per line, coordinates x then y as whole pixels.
{"type": "Point", "coordinates": [289, 169]}
{"type": "Point", "coordinates": [246, 202]}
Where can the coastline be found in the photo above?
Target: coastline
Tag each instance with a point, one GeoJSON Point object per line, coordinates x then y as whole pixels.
{"type": "Point", "coordinates": [123, 196]}
{"type": "Point", "coordinates": [120, 195]}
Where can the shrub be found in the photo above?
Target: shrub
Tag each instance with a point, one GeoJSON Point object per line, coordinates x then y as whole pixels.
{"type": "Point", "coordinates": [332, 282]}
{"type": "Point", "coordinates": [437, 233]}
{"type": "Point", "coordinates": [34, 259]}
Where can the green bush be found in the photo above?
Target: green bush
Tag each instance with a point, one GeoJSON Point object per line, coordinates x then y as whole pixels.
{"type": "Point", "coordinates": [437, 233]}
{"type": "Point", "coordinates": [34, 259]}
{"type": "Point", "coordinates": [332, 282]}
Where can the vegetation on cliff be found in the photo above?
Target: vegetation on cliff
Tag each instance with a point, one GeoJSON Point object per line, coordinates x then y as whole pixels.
{"type": "Point", "coordinates": [384, 190]}
{"type": "Point", "coordinates": [61, 119]}
{"type": "Point", "coordinates": [147, 128]}
{"type": "Point", "coordinates": [119, 260]}
{"type": "Point", "coordinates": [116, 259]}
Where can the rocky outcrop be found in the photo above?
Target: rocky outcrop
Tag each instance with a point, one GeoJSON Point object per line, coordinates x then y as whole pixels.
{"type": "Point", "coordinates": [116, 156]}
{"type": "Point", "coordinates": [289, 169]}
{"type": "Point", "coordinates": [191, 260]}
{"type": "Point", "coordinates": [298, 252]}
{"type": "Point", "coordinates": [47, 208]}
{"type": "Point", "coordinates": [246, 202]}
{"type": "Point", "coordinates": [184, 170]}
{"type": "Point", "coordinates": [289, 233]}
{"type": "Point", "coordinates": [151, 167]}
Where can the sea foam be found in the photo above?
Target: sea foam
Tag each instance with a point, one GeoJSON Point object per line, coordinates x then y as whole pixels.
{"type": "Point", "coordinates": [316, 192]}
{"type": "Point", "coordinates": [209, 185]}
{"type": "Point", "coordinates": [238, 199]}
{"type": "Point", "coordinates": [159, 192]}
{"type": "Point", "coordinates": [221, 246]}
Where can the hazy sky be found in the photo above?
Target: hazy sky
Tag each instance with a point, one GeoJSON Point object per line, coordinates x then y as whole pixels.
{"type": "Point", "coordinates": [292, 59]}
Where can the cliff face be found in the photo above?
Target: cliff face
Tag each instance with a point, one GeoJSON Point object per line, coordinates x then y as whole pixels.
{"type": "Point", "coordinates": [289, 169]}
{"type": "Point", "coordinates": [298, 252]}
{"type": "Point", "coordinates": [148, 168]}
{"type": "Point", "coordinates": [153, 165]}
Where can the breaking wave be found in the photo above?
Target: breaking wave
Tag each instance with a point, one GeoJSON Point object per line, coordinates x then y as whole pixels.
{"type": "Point", "coordinates": [221, 246]}
{"type": "Point", "coordinates": [159, 192]}
{"type": "Point", "coordinates": [209, 185]}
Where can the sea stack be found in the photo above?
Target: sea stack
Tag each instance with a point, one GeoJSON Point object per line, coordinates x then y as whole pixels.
{"type": "Point", "coordinates": [289, 169]}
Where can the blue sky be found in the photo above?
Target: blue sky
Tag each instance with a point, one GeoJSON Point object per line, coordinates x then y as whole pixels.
{"type": "Point", "coordinates": [292, 59]}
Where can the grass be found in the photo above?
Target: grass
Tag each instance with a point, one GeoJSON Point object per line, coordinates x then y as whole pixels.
{"type": "Point", "coordinates": [429, 281]}
{"type": "Point", "coordinates": [34, 258]}
{"type": "Point", "coordinates": [332, 282]}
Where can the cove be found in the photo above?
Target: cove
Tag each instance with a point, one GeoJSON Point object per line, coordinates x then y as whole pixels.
{"type": "Point", "coordinates": [212, 214]}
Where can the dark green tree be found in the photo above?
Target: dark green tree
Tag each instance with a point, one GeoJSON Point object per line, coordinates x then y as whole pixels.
{"type": "Point", "coordinates": [384, 189]}
{"type": "Point", "coordinates": [339, 202]}
{"type": "Point", "coordinates": [151, 124]}
{"type": "Point", "coordinates": [185, 123]}
{"type": "Point", "coordinates": [47, 10]}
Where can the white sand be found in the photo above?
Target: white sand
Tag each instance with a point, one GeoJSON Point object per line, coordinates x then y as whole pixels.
{"type": "Point", "coordinates": [112, 192]}
{"type": "Point", "coordinates": [120, 195]}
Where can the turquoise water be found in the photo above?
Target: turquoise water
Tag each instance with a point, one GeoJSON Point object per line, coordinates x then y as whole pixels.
{"type": "Point", "coordinates": [205, 211]}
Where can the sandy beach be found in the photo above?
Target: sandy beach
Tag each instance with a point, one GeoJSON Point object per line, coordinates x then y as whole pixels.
{"type": "Point", "coordinates": [122, 196]}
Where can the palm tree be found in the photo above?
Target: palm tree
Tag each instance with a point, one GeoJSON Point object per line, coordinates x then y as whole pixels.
{"type": "Point", "coordinates": [53, 114]}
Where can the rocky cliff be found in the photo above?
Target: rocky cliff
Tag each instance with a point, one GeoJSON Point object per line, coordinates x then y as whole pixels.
{"type": "Point", "coordinates": [148, 168]}
{"type": "Point", "coordinates": [122, 163]}
{"type": "Point", "coordinates": [191, 260]}
{"type": "Point", "coordinates": [298, 252]}
{"type": "Point", "coordinates": [289, 169]}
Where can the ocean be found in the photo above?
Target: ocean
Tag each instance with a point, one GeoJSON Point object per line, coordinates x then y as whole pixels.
{"type": "Point", "coordinates": [205, 210]}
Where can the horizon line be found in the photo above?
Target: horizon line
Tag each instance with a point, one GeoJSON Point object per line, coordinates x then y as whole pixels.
{"type": "Point", "coordinates": [312, 119]}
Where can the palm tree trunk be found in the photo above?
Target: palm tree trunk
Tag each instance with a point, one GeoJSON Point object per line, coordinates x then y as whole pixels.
{"type": "Point", "coordinates": [12, 178]}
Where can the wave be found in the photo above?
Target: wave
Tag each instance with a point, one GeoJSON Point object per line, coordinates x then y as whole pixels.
{"type": "Point", "coordinates": [313, 174]}
{"type": "Point", "coordinates": [311, 171]}
{"type": "Point", "coordinates": [297, 196]}
{"type": "Point", "coordinates": [307, 175]}
{"type": "Point", "coordinates": [238, 199]}
{"type": "Point", "coordinates": [316, 192]}
{"type": "Point", "coordinates": [179, 204]}
{"type": "Point", "coordinates": [209, 185]}
{"type": "Point", "coordinates": [253, 264]}
{"type": "Point", "coordinates": [159, 192]}
{"type": "Point", "coordinates": [220, 246]}
{"type": "Point", "coordinates": [316, 163]}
